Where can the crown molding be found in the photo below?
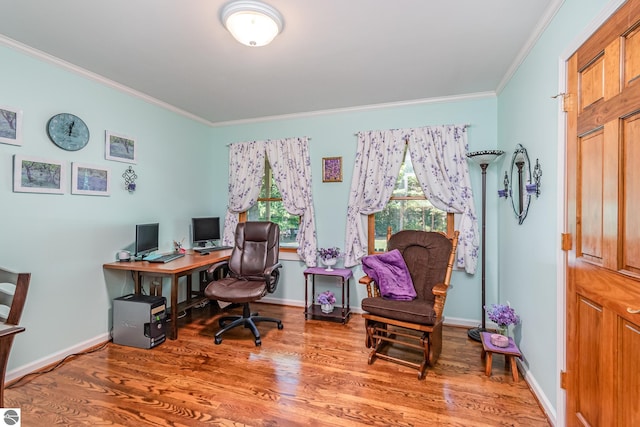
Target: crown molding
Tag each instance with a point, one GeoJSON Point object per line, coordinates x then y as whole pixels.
{"type": "Point", "coordinates": [38, 54]}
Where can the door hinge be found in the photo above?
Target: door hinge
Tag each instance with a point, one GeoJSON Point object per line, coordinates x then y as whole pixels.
{"type": "Point", "coordinates": [563, 380]}
{"type": "Point", "coordinates": [565, 241]}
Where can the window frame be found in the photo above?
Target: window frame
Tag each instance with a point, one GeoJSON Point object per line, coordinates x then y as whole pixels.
{"type": "Point", "coordinates": [371, 220]}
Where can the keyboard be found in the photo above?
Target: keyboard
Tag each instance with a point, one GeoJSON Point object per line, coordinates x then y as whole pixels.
{"type": "Point", "coordinates": [212, 249]}
{"type": "Point", "coordinates": [166, 258]}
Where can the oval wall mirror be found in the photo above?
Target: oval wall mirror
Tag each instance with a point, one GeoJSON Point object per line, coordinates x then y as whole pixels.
{"type": "Point", "coordinates": [520, 178]}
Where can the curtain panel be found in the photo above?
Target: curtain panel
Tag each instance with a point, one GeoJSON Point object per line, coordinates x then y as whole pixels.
{"type": "Point", "coordinates": [246, 169]}
{"type": "Point", "coordinates": [291, 165]}
{"type": "Point", "coordinates": [377, 165]}
{"type": "Point", "coordinates": [438, 154]}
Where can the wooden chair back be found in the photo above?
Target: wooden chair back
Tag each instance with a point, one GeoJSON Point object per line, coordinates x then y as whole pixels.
{"type": "Point", "coordinates": [13, 295]}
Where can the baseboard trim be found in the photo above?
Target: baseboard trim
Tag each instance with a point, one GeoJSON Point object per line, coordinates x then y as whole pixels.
{"type": "Point", "coordinates": [543, 401]}
{"type": "Point", "coordinates": [37, 365]}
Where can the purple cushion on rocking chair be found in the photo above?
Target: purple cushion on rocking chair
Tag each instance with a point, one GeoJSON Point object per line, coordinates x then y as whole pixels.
{"type": "Point", "coordinates": [391, 274]}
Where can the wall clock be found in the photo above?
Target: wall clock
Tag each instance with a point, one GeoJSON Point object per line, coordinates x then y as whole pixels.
{"type": "Point", "coordinates": [68, 131]}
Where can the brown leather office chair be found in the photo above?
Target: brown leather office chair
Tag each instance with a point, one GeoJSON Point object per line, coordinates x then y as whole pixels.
{"type": "Point", "coordinates": [13, 294]}
{"type": "Point", "coordinates": [251, 273]}
{"type": "Point", "coordinates": [416, 323]}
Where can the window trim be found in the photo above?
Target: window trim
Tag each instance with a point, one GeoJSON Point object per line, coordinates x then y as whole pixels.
{"type": "Point", "coordinates": [371, 226]}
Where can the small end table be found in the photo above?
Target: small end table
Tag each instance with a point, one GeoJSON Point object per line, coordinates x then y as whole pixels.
{"type": "Point", "coordinates": [313, 311]}
{"type": "Point", "coordinates": [509, 352]}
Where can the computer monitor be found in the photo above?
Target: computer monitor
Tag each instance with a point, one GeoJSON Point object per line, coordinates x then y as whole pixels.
{"type": "Point", "coordinates": [146, 238]}
{"type": "Point", "coordinates": [205, 230]}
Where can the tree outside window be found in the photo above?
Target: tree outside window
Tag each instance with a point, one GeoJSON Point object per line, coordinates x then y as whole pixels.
{"type": "Point", "coordinates": [271, 208]}
{"type": "Point", "coordinates": [407, 209]}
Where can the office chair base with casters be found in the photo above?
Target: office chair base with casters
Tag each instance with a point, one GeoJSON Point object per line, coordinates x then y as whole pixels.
{"type": "Point", "coordinates": [248, 320]}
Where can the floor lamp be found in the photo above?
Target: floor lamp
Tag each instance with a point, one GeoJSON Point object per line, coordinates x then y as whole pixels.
{"type": "Point", "coordinates": [483, 158]}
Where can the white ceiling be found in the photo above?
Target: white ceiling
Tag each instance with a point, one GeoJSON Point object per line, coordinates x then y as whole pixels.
{"type": "Point", "coordinates": [332, 54]}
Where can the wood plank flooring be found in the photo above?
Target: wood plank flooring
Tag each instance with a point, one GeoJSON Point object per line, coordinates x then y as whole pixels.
{"type": "Point", "coordinates": [311, 373]}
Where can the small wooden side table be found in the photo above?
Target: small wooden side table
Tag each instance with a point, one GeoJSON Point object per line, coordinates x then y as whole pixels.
{"type": "Point", "coordinates": [509, 352]}
{"type": "Point", "coordinates": [312, 310]}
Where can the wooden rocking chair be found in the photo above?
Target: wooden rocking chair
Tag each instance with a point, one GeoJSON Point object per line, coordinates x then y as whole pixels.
{"type": "Point", "coordinates": [429, 257]}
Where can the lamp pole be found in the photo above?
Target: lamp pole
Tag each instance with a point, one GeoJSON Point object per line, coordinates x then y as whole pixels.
{"type": "Point", "coordinates": [483, 158]}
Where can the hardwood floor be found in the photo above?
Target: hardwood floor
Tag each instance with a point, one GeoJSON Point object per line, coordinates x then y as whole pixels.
{"type": "Point", "coordinates": [310, 373]}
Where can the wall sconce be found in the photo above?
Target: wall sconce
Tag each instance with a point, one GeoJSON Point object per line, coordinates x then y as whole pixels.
{"type": "Point", "coordinates": [505, 192]}
{"type": "Point", "coordinates": [523, 183]}
{"type": "Point", "coordinates": [534, 188]}
{"type": "Point", "coordinates": [130, 179]}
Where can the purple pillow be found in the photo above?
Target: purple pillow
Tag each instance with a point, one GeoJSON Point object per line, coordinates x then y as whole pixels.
{"type": "Point", "coordinates": [391, 274]}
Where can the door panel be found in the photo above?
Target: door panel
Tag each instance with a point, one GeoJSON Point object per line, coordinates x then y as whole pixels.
{"type": "Point", "coordinates": [632, 56]}
{"type": "Point", "coordinates": [628, 373]}
{"type": "Point", "coordinates": [631, 158]}
{"type": "Point", "coordinates": [590, 165]}
{"type": "Point", "coordinates": [589, 331]}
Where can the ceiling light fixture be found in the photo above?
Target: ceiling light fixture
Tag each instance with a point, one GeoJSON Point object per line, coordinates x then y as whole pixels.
{"type": "Point", "coordinates": [252, 23]}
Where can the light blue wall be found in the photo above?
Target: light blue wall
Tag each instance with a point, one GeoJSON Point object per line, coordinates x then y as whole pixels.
{"type": "Point", "coordinates": [334, 135]}
{"type": "Point", "coordinates": [528, 253]}
{"type": "Point", "coordinates": [63, 240]}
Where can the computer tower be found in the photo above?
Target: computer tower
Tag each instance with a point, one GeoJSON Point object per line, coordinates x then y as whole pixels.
{"type": "Point", "coordinates": [139, 320]}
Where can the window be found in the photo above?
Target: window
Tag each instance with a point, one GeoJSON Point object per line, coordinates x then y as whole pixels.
{"type": "Point", "coordinates": [271, 208]}
{"type": "Point", "coordinates": [407, 209]}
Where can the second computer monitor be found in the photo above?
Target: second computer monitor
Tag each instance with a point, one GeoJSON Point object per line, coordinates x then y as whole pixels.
{"type": "Point", "coordinates": [205, 230]}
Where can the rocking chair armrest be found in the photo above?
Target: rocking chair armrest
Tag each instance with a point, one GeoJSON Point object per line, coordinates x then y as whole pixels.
{"type": "Point", "coordinates": [365, 280]}
{"type": "Point", "coordinates": [372, 288]}
{"type": "Point", "coordinates": [440, 290]}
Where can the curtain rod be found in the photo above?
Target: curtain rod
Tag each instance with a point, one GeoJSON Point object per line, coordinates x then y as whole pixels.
{"type": "Point", "coordinates": [466, 125]}
{"type": "Point", "coordinates": [271, 139]}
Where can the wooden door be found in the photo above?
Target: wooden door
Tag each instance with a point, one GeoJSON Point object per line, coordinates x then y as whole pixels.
{"type": "Point", "coordinates": [603, 219]}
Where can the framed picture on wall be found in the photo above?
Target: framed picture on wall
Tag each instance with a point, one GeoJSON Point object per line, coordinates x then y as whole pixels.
{"type": "Point", "coordinates": [38, 175]}
{"type": "Point", "coordinates": [121, 148]}
{"type": "Point", "coordinates": [332, 169]}
{"type": "Point", "coordinates": [10, 125]}
{"type": "Point", "coordinates": [90, 180]}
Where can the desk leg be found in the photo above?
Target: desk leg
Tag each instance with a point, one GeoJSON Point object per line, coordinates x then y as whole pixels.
{"type": "Point", "coordinates": [173, 329]}
{"type": "Point", "coordinates": [137, 282]}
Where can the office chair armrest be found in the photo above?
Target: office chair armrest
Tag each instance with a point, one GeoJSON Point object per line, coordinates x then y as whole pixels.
{"type": "Point", "coordinates": [272, 276]}
{"type": "Point", "coordinates": [215, 267]}
{"type": "Point", "coordinates": [269, 270]}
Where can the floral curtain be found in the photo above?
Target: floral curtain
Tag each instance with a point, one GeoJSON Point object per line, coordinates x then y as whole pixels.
{"type": "Point", "coordinates": [377, 165]}
{"type": "Point", "coordinates": [438, 154]}
{"type": "Point", "coordinates": [291, 165]}
{"type": "Point", "coordinates": [246, 169]}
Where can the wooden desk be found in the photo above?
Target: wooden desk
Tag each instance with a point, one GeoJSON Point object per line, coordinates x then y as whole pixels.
{"type": "Point", "coordinates": [187, 265]}
{"type": "Point", "coordinates": [7, 332]}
